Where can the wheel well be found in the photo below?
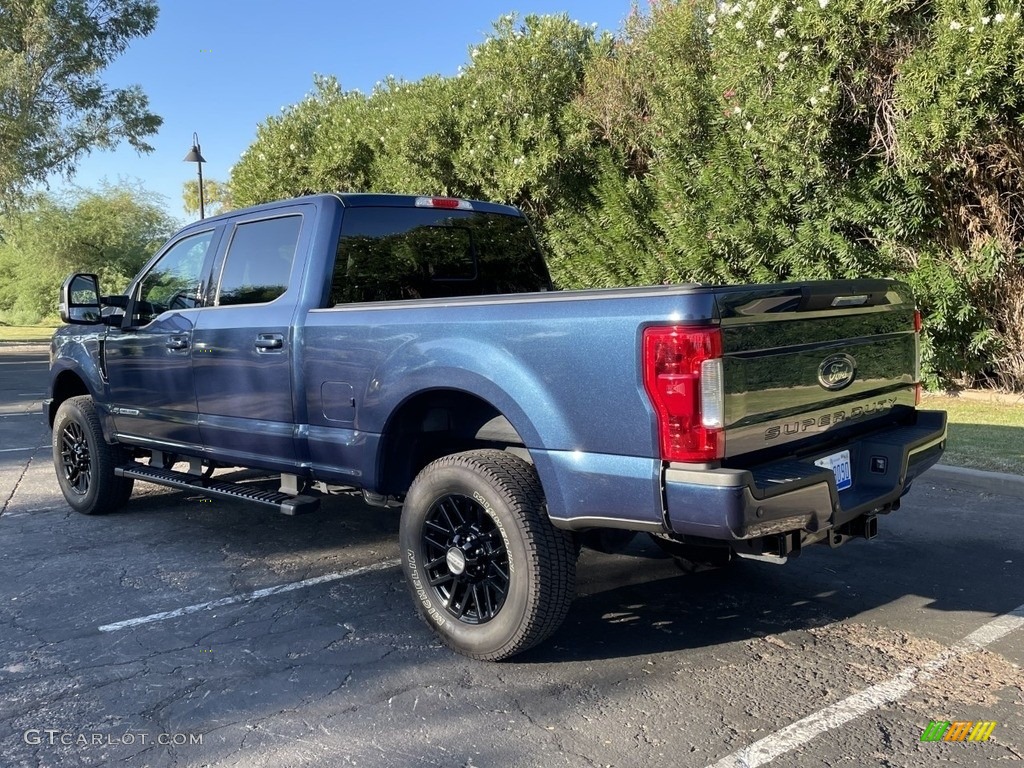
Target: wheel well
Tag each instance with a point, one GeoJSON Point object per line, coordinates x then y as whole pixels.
{"type": "Point", "coordinates": [66, 385]}
{"type": "Point", "coordinates": [435, 424]}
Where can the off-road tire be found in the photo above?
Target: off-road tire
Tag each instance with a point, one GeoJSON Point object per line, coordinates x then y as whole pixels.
{"type": "Point", "coordinates": [469, 518]}
{"type": "Point", "coordinates": [85, 462]}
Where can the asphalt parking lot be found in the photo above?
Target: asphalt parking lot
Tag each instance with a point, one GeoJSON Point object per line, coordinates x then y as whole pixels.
{"type": "Point", "coordinates": [128, 639]}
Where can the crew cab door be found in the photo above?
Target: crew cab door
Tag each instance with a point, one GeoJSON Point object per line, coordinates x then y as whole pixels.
{"type": "Point", "coordinates": [242, 355]}
{"type": "Point", "coordinates": [148, 362]}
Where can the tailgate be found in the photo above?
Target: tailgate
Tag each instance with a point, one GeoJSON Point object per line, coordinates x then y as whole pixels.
{"type": "Point", "coordinates": [802, 359]}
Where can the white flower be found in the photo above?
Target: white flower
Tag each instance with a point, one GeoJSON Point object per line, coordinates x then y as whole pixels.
{"type": "Point", "coordinates": [968, 71]}
{"type": "Point", "coordinates": [747, 125]}
{"type": "Point", "coordinates": [292, 147]}
{"type": "Point", "coordinates": [736, 110]}
{"type": "Point", "coordinates": [805, 48]}
{"type": "Point", "coordinates": [518, 160]}
{"type": "Point", "coordinates": [774, 15]}
{"type": "Point", "coordinates": [712, 19]}
{"type": "Point", "coordinates": [955, 25]}
{"type": "Point", "coordinates": [740, 24]}
{"type": "Point", "coordinates": [475, 52]}
{"type": "Point", "coordinates": [491, 137]}
{"type": "Point", "coordinates": [985, 20]}
{"type": "Point", "coordinates": [970, 28]}
{"type": "Point", "coordinates": [759, 44]}
{"type": "Point", "coordinates": [710, 31]}
{"type": "Point", "coordinates": [780, 32]}
{"type": "Point", "coordinates": [814, 102]}
{"type": "Point", "coordinates": [1000, 18]}
{"type": "Point", "coordinates": [799, 9]}
{"type": "Point", "coordinates": [823, 89]}
{"type": "Point", "coordinates": [822, 4]}
{"type": "Point", "coordinates": [781, 65]}
{"type": "Point", "coordinates": [783, 55]}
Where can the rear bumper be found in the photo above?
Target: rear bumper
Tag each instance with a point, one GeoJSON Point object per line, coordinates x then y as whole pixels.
{"type": "Point", "coordinates": [792, 495]}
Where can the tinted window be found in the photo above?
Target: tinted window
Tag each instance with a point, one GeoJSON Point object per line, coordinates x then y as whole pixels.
{"type": "Point", "coordinates": [420, 253]}
{"type": "Point", "coordinates": [175, 281]}
{"type": "Point", "coordinates": [259, 261]}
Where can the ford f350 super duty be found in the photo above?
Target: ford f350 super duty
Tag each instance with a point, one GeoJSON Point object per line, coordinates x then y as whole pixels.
{"type": "Point", "coordinates": [413, 349]}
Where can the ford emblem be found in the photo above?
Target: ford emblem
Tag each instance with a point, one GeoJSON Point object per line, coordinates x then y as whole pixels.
{"type": "Point", "coordinates": [837, 371]}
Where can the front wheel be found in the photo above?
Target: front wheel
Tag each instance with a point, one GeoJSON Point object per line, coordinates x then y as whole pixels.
{"type": "Point", "coordinates": [487, 569]}
{"type": "Point", "coordinates": [84, 461]}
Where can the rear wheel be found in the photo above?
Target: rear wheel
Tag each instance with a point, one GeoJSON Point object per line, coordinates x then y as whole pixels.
{"type": "Point", "coordinates": [487, 569]}
{"type": "Point", "coordinates": [85, 462]}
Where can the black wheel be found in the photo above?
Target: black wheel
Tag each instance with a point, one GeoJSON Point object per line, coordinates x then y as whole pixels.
{"type": "Point", "coordinates": [487, 569]}
{"type": "Point", "coordinates": [85, 462]}
{"type": "Point", "coordinates": [692, 558]}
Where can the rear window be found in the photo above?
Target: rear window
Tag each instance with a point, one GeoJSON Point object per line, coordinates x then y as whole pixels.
{"type": "Point", "coordinates": [388, 254]}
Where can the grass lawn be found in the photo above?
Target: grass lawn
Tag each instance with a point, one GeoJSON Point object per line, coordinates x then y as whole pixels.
{"type": "Point", "coordinates": [26, 332]}
{"type": "Point", "coordinates": [982, 435]}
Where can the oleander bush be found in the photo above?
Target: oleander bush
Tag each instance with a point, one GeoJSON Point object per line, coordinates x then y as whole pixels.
{"type": "Point", "coordinates": [721, 142]}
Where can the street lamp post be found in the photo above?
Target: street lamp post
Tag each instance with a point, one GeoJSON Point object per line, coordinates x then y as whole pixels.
{"type": "Point", "coordinates": [196, 156]}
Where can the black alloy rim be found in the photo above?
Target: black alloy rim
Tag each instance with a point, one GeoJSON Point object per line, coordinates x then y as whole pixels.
{"type": "Point", "coordinates": [466, 561]}
{"type": "Point", "coordinates": [74, 457]}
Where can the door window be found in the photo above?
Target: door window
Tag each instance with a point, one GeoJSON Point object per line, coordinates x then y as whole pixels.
{"type": "Point", "coordinates": [259, 261]}
{"type": "Point", "coordinates": [388, 254]}
{"type": "Point", "coordinates": [175, 281]}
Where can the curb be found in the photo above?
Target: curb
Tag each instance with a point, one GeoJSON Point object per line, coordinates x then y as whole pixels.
{"type": "Point", "coordinates": [964, 478]}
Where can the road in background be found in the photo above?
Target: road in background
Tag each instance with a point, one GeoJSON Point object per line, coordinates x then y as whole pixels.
{"type": "Point", "coordinates": [653, 667]}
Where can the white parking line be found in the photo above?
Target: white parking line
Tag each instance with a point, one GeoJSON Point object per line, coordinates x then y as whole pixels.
{"type": "Point", "coordinates": [14, 450]}
{"type": "Point", "coordinates": [802, 731]}
{"type": "Point", "coordinates": [249, 596]}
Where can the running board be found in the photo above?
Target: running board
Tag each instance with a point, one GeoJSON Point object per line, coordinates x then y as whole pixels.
{"type": "Point", "coordinates": [283, 502]}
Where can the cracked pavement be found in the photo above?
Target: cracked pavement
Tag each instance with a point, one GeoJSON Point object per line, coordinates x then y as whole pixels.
{"type": "Point", "coordinates": [652, 667]}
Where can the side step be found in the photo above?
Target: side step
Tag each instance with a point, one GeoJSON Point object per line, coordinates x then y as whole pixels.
{"type": "Point", "coordinates": [283, 502]}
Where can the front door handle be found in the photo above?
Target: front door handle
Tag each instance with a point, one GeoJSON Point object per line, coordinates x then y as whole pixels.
{"type": "Point", "coordinates": [266, 342]}
{"type": "Point", "coordinates": [177, 343]}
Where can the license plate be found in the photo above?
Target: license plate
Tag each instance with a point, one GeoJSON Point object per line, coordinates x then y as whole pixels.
{"type": "Point", "coordinates": [839, 463]}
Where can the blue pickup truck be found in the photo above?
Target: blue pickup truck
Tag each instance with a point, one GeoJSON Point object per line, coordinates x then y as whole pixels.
{"type": "Point", "coordinates": [413, 350]}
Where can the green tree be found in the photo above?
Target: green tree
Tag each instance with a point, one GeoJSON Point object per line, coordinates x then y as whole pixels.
{"type": "Point", "coordinates": [831, 138]}
{"type": "Point", "coordinates": [501, 129]}
{"type": "Point", "coordinates": [53, 106]}
{"type": "Point", "coordinates": [321, 144]}
{"type": "Point", "coordinates": [111, 231]}
{"type": "Point", "coordinates": [217, 197]}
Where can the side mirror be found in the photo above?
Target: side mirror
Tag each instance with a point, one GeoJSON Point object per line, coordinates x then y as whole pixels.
{"type": "Point", "coordinates": [80, 300]}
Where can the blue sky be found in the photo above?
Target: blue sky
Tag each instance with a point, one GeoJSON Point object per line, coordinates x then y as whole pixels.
{"type": "Point", "coordinates": [220, 67]}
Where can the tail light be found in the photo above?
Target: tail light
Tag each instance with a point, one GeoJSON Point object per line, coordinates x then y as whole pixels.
{"type": "Point", "coordinates": [917, 357]}
{"type": "Point", "coordinates": [683, 379]}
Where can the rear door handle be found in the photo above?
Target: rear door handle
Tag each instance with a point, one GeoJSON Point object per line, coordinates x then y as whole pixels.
{"type": "Point", "coordinates": [177, 343]}
{"type": "Point", "coordinates": [266, 342]}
